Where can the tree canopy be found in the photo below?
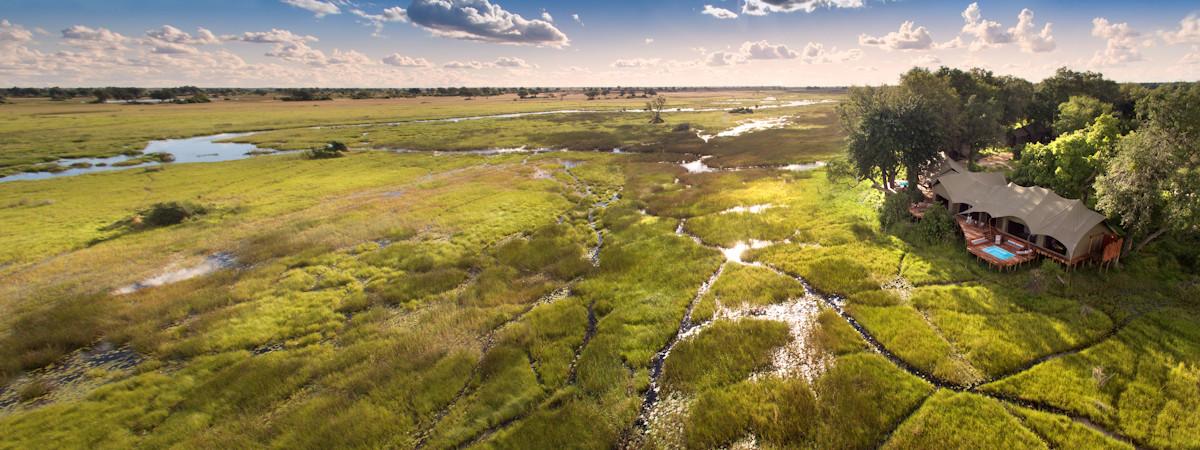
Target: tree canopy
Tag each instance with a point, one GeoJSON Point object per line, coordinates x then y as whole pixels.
{"type": "Point", "coordinates": [1078, 112]}
{"type": "Point", "coordinates": [890, 128]}
{"type": "Point", "coordinates": [1152, 184]}
{"type": "Point", "coordinates": [1069, 164]}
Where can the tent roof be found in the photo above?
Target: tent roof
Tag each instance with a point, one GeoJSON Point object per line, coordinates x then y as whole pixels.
{"type": "Point", "coordinates": [1043, 211]}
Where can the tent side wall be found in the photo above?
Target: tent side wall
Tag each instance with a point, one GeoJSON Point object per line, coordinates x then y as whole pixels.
{"type": "Point", "coordinates": [1092, 242]}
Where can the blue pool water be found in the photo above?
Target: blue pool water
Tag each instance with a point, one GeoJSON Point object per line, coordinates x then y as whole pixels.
{"type": "Point", "coordinates": [999, 253]}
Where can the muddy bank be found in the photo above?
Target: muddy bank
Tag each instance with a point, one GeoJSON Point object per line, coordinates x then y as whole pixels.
{"type": "Point", "coordinates": [70, 378]}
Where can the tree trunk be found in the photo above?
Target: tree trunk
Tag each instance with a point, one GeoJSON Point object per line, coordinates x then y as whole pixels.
{"type": "Point", "coordinates": [1148, 239]}
{"type": "Point", "coordinates": [914, 193]}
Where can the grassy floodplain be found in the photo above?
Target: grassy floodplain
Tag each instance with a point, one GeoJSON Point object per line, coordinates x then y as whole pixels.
{"type": "Point", "coordinates": [522, 300]}
{"type": "Point", "coordinates": [38, 132]}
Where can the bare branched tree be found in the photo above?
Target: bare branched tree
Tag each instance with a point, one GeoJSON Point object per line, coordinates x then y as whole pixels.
{"type": "Point", "coordinates": [655, 108]}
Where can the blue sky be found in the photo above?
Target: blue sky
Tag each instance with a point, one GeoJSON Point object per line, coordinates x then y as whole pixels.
{"type": "Point", "coordinates": [511, 42]}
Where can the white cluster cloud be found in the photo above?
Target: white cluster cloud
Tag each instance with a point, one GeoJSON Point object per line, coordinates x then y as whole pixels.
{"type": "Point", "coordinates": [481, 20]}
{"type": "Point", "coordinates": [294, 47]}
{"type": "Point", "coordinates": [274, 36]}
{"type": "Point", "coordinates": [721, 58]}
{"type": "Point", "coordinates": [398, 60]}
{"type": "Point", "coordinates": [506, 62]}
{"type": "Point", "coordinates": [11, 32]}
{"type": "Point", "coordinates": [349, 57]}
{"type": "Point", "coordinates": [298, 52]}
{"type": "Point", "coordinates": [909, 37]}
{"type": "Point", "coordinates": [764, 7]}
{"type": "Point", "coordinates": [319, 8]}
{"type": "Point", "coordinates": [169, 40]}
{"type": "Point", "coordinates": [988, 33]}
{"type": "Point", "coordinates": [719, 13]}
{"type": "Point", "coordinates": [1188, 32]}
{"type": "Point", "coordinates": [636, 63]}
{"type": "Point", "coordinates": [1121, 46]}
{"type": "Point", "coordinates": [815, 53]}
{"type": "Point", "coordinates": [93, 38]}
{"type": "Point", "coordinates": [766, 50]}
{"type": "Point", "coordinates": [511, 62]}
{"type": "Point", "coordinates": [547, 17]}
{"type": "Point", "coordinates": [393, 14]}
{"type": "Point", "coordinates": [168, 33]}
{"type": "Point", "coordinates": [1029, 37]}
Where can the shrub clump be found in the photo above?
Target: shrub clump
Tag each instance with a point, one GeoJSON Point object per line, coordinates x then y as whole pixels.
{"type": "Point", "coordinates": [937, 226]}
{"type": "Point", "coordinates": [170, 213]}
{"type": "Point", "coordinates": [34, 390]}
{"type": "Point", "coordinates": [840, 169]}
{"type": "Point", "coordinates": [333, 149]}
{"type": "Point", "coordinates": [893, 211]}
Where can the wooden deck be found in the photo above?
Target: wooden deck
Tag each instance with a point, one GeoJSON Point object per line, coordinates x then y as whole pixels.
{"type": "Point", "coordinates": [979, 237]}
{"type": "Point", "coordinates": [918, 209]}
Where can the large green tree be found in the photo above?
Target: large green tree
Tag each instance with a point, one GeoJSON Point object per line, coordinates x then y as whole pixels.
{"type": "Point", "coordinates": [1152, 185]}
{"type": "Point", "coordinates": [981, 113]}
{"type": "Point", "coordinates": [867, 119]}
{"type": "Point", "coordinates": [938, 94]}
{"type": "Point", "coordinates": [1057, 89]}
{"type": "Point", "coordinates": [1079, 112]}
{"type": "Point", "coordinates": [1070, 164]}
{"type": "Point", "coordinates": [889, 129]}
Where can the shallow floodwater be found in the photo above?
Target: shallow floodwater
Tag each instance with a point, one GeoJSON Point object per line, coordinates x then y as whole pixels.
{"type": "Point", "coordinates": [210, 264]}
{"type": "Point", "coordinates": [754, 125]}
{"type": "Point", "coordinates": [734, 254]}
{"type": "Point", "coordinates": [197, 149]}
{"type": "Point", "coordinates": [699, 166]}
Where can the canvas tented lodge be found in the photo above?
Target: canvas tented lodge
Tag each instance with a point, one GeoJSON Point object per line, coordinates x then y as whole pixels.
{"type": "Point", "coordinates": [1023, 221]}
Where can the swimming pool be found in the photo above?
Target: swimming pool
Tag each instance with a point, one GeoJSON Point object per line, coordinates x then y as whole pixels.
{"type": "Point", "coordinates": [999, 253]}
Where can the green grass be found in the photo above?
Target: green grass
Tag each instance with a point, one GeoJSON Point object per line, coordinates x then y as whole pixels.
{"type": "Point", "coordinates": [962, 420]}
{"type": "Point", "coordinates": [745, 286]}
{"type": "Point", "coordinates": [1063, 432]}
{"type": "Point", "coordinates": [723, 353]}
{"type": "Point", "coordinates": [902, 328]}
{"type": "Point", "coordinates": [40, 131]}
{"type": "Point", "coordinates": [1139, 382]}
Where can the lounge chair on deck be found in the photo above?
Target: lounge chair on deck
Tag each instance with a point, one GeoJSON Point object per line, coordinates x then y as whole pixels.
{"type": "Point", "coordinates": [979, 241]}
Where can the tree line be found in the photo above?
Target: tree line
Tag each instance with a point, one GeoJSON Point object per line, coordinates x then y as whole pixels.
{"type": "Point", "coordinates": [1132, 151]}
{"type": "Point", "coordinates": [102, 94]}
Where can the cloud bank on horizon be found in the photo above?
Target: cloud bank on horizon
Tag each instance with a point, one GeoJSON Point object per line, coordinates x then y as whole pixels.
{"type": "Point", "coordinates": [352, 43]}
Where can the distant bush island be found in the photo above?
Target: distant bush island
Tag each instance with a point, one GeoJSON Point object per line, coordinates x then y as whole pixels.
{"type": "Point", "coordinates": [306, 95]}
{"type": "Point", "coordinates": [171, 213]}
{"type": "Point", "coordinates": [334, 149]}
